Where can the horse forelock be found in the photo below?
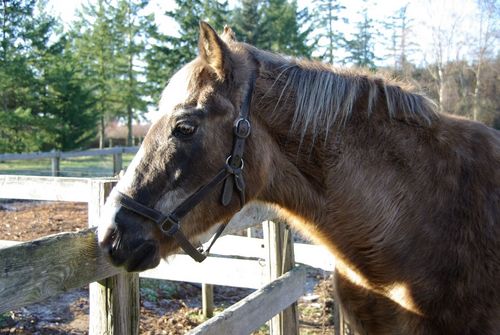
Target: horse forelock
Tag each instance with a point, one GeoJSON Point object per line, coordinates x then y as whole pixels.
{"type": "Point", "coordinates": [177, 91]}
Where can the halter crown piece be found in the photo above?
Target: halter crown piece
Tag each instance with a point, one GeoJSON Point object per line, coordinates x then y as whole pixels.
{"type": "Point", "coordinates": [231, 174]}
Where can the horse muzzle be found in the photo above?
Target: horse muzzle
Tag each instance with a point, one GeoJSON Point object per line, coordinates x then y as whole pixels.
{"type": "Point", "coordinates": [127, 245]}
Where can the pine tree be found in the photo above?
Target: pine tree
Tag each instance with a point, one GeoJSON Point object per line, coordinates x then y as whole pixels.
{"type": "Point", "coordinates": [15, 73]}
{"type": "Point", "coordinates": [96, 44]}
{"type": "Point", "coordinates": [69, 101]}
{"type": "Point", "coordinates": [247, 21]}
{"type": "Point", "coordinates": [36, 107]}
{"type": "Point", "coordinates": [400, 26]}
{"type": "Point", "coordinates": [169, 52]}
{"type": "Point", "coordinates": [361, 46]}
{"type": "Point", "coordinates": [282, 33]}
{"type": "Point", "coordinates": [132, 31]}
{"type": "Point", "coordinates": [327, 15]}
{"type": "Point", "coordinates": [216, 13]}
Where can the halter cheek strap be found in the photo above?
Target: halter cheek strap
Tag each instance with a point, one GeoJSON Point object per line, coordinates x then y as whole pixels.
{"type": "Point", "coordinates": [231, 174]}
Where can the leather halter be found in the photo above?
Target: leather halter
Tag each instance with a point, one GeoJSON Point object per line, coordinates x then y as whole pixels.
{"type": "Point", "coordinates": [231, 174]}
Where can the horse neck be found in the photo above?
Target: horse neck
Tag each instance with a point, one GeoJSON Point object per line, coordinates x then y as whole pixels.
{"type": "Point", "coordinates": [325, 181]}
{"type": "Point", "coordinates": [298, 177]}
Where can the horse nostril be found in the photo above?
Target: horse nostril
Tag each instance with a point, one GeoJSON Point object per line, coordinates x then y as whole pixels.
{"type": "Point", "coordinates": [106, 240]}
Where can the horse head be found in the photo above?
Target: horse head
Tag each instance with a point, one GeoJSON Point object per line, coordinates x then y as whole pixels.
{"type": "Point", "coordinates": [201, 136]}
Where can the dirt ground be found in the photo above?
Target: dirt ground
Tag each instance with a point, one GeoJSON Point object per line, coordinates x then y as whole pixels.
{"type": "Point", "coordinates": [170, 308]}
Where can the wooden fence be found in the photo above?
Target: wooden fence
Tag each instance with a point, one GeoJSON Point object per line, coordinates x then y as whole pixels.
{"type": "Point", "coordinates": [36, 270]}
{"type": "Point", "coordinates": [57, 156]}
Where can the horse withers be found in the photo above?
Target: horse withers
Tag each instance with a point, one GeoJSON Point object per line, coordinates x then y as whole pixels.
{"type": "Point", "coordinates": [407, 199]}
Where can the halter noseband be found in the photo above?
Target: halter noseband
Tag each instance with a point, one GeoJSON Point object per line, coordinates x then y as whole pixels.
{"type": "Point", "coordinates": [231, 174]}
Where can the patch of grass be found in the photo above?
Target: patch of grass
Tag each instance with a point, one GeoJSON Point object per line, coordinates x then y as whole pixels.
{"type": "Point", "coordinates": [90, 166]}
{"type": "Point", "coordinates": [6, 319]}
{"type": "Point", "coordinates": [263, 330]}
{"type": "Point", "coordinates": [154, 289]}
{"type": "Point", "coordinates": [196, 317]}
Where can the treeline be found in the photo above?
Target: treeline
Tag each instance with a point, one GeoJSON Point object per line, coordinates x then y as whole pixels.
{"type": "Point", "coordinates": [60, 86]}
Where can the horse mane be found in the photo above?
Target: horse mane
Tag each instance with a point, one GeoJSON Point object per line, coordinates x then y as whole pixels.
{"type": "Point", "coordinates": [326, 96]}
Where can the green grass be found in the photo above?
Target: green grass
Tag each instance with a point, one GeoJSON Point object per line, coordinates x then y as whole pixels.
{"type": "Point", "coordinates": [92, 166]}
{"type": "Point", "coordinates": [155, 289]}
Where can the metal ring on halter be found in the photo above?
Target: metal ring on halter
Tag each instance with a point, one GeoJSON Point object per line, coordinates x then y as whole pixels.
{"type": "Point", "coordinates": [242, 163]}
{"type": "Point", "coordinates": [174, 225]}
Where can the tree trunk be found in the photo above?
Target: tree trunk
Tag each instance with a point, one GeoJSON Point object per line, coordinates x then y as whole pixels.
{"type": "Point", "coordinates": [129, 126]}
{"type": "Point", "coordinates": [475, 101]}
{"type": "Point", "coordinates": [101, 132]}
{"type": "Point", "coordinates": [440, 88]}
{"type": "Point", "coordinates": [4, 45]}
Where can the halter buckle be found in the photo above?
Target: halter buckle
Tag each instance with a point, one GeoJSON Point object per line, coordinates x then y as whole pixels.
{"type": "Point", "coordinates": [242, 128]}
{"type": "Point", "coordinates": [170, 225]}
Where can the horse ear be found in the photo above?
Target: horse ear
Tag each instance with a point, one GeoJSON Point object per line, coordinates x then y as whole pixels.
{"type": "Point", "coordinates": [213, 50]}
{"type": "Point", "coordinates": [228, 34]}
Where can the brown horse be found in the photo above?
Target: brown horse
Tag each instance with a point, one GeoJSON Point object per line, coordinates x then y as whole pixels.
{"type": "Point", "coordinates": [407, 199]}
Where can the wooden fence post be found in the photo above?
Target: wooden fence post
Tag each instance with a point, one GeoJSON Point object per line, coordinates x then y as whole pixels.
{"type": "Point", "coordinates": [279, 242]}
{"type": "Point", "coordinates": [56, 159]}
{"type": "Point", "coordinates": [207, 299]}
{"type": "Point", "coordinates": [117, 163]}
{"type": "Point", "coordinates": [114, 302]}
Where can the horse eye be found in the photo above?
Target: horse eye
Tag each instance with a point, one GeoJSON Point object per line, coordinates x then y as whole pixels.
{"type": "Point", "coordinates": [184, 130]}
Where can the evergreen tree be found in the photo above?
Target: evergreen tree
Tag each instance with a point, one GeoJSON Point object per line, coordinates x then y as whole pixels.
{"type": "Point", "coordinates": [282, 23]}
{"type": "Point", "coordinates": [247, 21]}
{"type": "Point", "coordinates": [15, 73]}
{"type": "Point", "coordinates": [216, 13]}
{"type": "Point", "coordinates": [132, 31]}
{"type": "Point", "coordinates": [69, 101]}
{"type": "Point", "coordinates": [32, 116]}
{"type": "Point", "coordinates": [327, 16]}
{"type": "Point", "coordinates": [399, 27]}
{"type": "Point", "coordinates": [361, 46]}
{"type": "Point", "coordinates": [169, 52]}
{"type": "Point", "coordinates": [95, 41]}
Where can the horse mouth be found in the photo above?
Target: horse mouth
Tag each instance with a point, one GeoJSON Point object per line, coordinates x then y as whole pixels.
{"type": "Point", "coordinates": [145, 256]}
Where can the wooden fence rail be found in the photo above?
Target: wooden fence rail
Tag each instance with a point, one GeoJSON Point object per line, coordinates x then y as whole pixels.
{"type": "Point", "coordinates": [248, 314]}
{"type": "Point", "coordinates": [68, 154]}
{"type": "Point", "coordinates": [56, 157]}
{"type": "Point", "coordinates": [39, 269]}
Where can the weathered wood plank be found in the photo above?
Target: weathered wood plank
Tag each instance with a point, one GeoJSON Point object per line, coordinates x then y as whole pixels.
{"type": "Point", "coordinates": [92, 152]}
{"type": "Point", "coordinates": [207, 300]}
{"type": "Point", "coordinates": [117, 163]}
{"type": "Point", "coordinates": [45, 188]}
{"type": "Point", "coordinates": [254, 310]}
{"type": "Point", "coordinates": [130, 150]}
{"type": "Point", "coordinates": [279, 241]}
{"type": "Point", "coordinates": [6, 243]}
{"type": "Point", "coordinates": [27, 156]}
{"type": "Point", "coordinates": [247, 273]}
{"type": "Point", "coordinates": [316, 256]}
{"type": "Point", "coordinates": [250, 215]}
{"type": "Point", "coordinates": [313, 255]}
{"type": "Point", "coordinates": [114, 305]}
{"type": "Point", "coordinates": [56, 166]}
{"type": "Point", "coordinates": [68, 154]}
{"type": "Point", "coordinates": [33, 271]}
{"type": "Point", "coordinates": [114, 301]}
{"type": "Point", "coordinates": [251, 249]}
